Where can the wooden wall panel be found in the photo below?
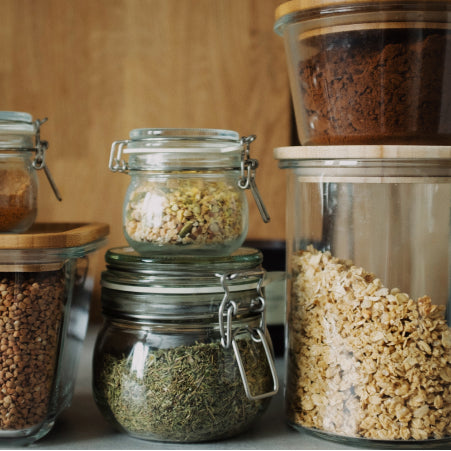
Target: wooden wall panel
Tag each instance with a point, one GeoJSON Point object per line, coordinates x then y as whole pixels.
{"type": "Point", "coordinates": [99, 68]}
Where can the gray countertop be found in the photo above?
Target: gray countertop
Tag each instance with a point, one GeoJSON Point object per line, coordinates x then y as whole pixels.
{"type": "Point", "coordinates": [81, 426]}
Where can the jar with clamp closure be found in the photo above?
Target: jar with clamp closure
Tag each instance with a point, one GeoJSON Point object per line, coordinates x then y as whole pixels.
{"type": "Point", "coordinates": [184, 354]}
{"type": "Point", "coordinates": [21, 154]}
{"type": "Point", "coordinates": [186, 192]}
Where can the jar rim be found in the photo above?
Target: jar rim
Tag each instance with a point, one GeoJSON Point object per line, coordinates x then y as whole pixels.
{"type": "Point", "coordinates": [415, 154]}
{"type": "Point", "coordinates": [293, 11]}
{"type": "Point", "coordinates": [184, 134]}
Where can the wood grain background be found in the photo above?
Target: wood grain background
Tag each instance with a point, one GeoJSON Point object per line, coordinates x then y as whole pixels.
{"type": "Point", "coordinates": [99, 68]}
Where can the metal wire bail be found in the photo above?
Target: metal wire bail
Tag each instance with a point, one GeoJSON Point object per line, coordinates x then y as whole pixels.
{"type": "Point", "coordinates": [116, 162]}
{"type": "Point", "coordinates": [247, 177]}
{"type": "Point", "coordinates": [228, 335]}
{"type": "Point", "coordinates": [39, 160]}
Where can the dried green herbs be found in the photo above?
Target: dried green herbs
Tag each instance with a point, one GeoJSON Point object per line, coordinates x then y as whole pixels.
{"type": "Point", "coordinates": [186, 394]}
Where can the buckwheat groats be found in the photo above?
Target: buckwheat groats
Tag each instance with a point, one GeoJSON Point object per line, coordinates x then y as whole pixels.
{"type": "Point", "coordinates": [364, 360]}
{"type": "Point", "coordinates": [31, 311]}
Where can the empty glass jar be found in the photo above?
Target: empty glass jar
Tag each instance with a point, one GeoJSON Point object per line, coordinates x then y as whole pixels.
{"type": "Point", "coordinates": [183, 355]}
{"type": "Point", "coordinates": [186, 192]}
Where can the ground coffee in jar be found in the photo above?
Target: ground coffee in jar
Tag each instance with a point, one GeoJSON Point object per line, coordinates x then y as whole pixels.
{"type": "Point", "coordinates": [355, 90]}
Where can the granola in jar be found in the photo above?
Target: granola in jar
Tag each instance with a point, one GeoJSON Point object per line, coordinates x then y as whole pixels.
{"type": "Point", "coordinates": [185, 210]}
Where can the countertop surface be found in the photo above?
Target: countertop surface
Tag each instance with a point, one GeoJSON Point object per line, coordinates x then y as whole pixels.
{"type": "Point", "coordinates": [81, 426]}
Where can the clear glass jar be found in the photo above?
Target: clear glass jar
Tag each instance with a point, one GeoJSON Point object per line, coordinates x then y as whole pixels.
{"type": "Point", "coordinates": [21, 153]}
{"type": "Point", "coordinates": [186, 192]}
{"type": "Point", "coordinates": [45, 292]}
{"type": "Point", "coordinates": [369, 342]}
{"type": "Point", "coordinates": [183, 355]}
{"type": "Point", "coordinates": [370, 72]}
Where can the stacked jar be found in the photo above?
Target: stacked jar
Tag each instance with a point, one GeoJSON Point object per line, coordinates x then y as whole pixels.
{"type": "Point", "coordinates": [369, 194]}
{"type": "Point", "coordinates": [44, 289]}
{"type": "Point", "coordinates": [184, 354]}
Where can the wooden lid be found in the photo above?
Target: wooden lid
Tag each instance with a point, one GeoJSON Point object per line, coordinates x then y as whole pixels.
{"type": "Point", "coordinates": [55, 236]}
{"type": "Point", "coordinates": [363, 153]}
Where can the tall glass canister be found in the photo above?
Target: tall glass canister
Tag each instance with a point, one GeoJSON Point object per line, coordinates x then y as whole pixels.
{"type": "Point", "coordinates": [369, 343]}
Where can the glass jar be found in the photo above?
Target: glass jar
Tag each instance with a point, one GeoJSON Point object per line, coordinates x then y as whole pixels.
{"type": "Point", "coordinates": [369, 342]}
{"type": "Point", "coordinates": [45, 291]}
{"type": "Point", "coordinates": [21, 153]}
{"type": "Point", "coordinates": [370, 72]}
{"type": "Point", "coordinates": [183, 355]}
{"type": "Point", "coordinates": [186, 192]}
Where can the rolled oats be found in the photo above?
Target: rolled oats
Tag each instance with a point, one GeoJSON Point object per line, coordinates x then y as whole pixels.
{"type": "Point", "coordinates": [365, 361]}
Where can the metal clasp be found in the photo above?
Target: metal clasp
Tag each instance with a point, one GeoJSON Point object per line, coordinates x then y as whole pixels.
{"type": "Point", "coordinates": [39, 159]}
{"type": "Point", "coordinates": [247, 180]}
{"type": "Point", "coordinates": [117, 163]}
{"type": "Point", "coordinates": [230, 308]}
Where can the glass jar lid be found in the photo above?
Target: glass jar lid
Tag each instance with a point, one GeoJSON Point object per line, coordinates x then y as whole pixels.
{"type": "Point", "coordinates": [178, 149]}
{"type": "Point", "coordinates": [181, 268]}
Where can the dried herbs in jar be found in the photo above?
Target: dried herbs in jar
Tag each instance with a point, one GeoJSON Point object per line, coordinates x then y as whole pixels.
{"type": "Point", "coordinates": [184, 355]}
{"type": "Point", "coordinates": [182, 394]}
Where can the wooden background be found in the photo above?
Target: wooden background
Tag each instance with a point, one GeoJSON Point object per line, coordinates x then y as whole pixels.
{"type": "Point", "coordinates": [99, 68]}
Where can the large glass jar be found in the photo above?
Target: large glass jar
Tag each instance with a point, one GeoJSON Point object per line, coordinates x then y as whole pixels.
{"type": "Point", "coordinates": [183, 355]}
{"type": "Point", "coordinates": [186, 192]}
{"type": "Point", "coordinates": [369, 342]}
{"type": "Point", "coordinates": [21, 153]}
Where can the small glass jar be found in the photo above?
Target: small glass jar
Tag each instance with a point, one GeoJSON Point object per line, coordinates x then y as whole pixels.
{"type": "Point", "coordinates": [183, 355]}
{"type": "Point", "coordinates": [21, 154]}
{"type": "Point", "coordinates": [368, 313]}
{"type": "Point", "coordinates": [369, 72]}
{"type": "Point", "coordinates": [186, 192]}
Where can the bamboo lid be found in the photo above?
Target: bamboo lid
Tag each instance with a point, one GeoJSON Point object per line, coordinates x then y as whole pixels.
{"type": "Point", "coordinates": [55, 236]}
{"type": "Point", "coordinates": [383, 152]}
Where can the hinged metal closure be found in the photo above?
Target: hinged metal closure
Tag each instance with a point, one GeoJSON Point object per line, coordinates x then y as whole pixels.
{"type": "Point", "coordinates": [248, 169]}
{"type": "Point", "coordinates": [116, 162]}
{"type": "Point", "coordinates": [230, 308]}
{"type": "Point", "coordinates": [39, 159]}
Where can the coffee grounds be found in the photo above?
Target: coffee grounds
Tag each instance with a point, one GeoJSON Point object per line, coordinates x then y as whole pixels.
{"type": "Point", "coordinates": [377, 87]}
